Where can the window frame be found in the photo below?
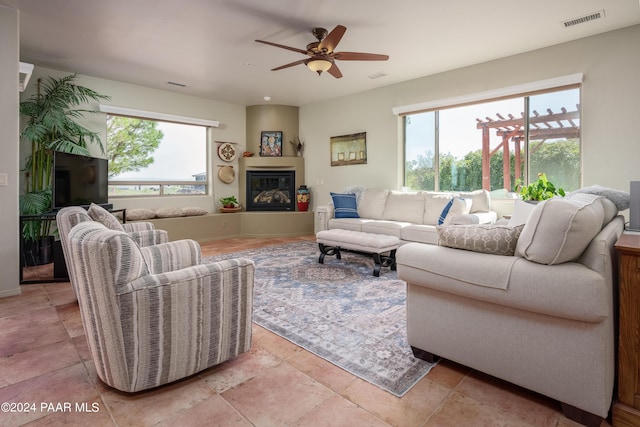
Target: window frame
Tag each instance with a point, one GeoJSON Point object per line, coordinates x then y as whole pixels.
{"type": "Point", "coordinates": [538, 88]}
{"type": "Point", "coordinates": [162, 184]}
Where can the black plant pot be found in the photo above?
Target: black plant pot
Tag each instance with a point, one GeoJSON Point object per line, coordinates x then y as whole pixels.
{"type": "Point", "coordinates": [38, 252]}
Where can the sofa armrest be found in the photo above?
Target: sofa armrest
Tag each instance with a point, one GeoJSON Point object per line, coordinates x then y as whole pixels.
{"type": "Point", "coordinates": [172, 256]}
{"type": "Point", "coordinates": [321, 218]}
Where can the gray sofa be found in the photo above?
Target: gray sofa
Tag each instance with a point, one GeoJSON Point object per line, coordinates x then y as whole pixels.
{"type": "Point", "coordinates": [410, 216]}
{"type": "Point", "coordinates": [541, 315]}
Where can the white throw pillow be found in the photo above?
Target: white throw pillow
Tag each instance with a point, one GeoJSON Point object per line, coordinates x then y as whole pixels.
{"type": "Point", "coordinates": [433, 205]}
{"type": "Point", "coordinates": [458, 207]}
{"type": "Point", "coordinates": [481, 200]}
{"type": "Point", "coordinates": [559, 230]}
{"type": "Point", "coordinates": [521, 212]}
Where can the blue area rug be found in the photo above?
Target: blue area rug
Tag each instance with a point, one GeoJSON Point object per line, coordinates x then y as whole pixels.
{"type": "Point", "coordinates": [337, 310]}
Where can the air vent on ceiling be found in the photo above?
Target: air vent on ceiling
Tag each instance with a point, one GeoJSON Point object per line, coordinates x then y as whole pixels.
{"type": "Point", "coordinates": [177, 84]}
{"type": "Point", "coordinates": [378, 75]}
{"type": "Point", "coordinates": [582, 19]}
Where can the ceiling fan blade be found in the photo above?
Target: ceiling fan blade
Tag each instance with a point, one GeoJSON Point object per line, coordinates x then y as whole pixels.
{"type": "Point", "coordinates": [329, 43]}
{"type": "Point", "coordinates": [295, 49]}
{"type": "Point", "coordinates": [335, 71]}
{"type": "Point", "coordinates": [359, 56]}
{"type": "Point", "coordinates": [301, 61]}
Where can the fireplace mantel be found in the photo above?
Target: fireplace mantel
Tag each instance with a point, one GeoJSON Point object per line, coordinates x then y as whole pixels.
{"type": "Point", "coordinates": [267, 163]}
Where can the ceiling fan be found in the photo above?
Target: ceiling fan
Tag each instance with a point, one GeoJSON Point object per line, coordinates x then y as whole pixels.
{"type": "Point", "coordinates": [322, 53]}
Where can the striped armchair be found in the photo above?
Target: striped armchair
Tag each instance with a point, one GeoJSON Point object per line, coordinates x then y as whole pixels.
{"type": "Point", "coordinates": [153, 315]}
{"type": "Point", "coordinates": [143, 233]}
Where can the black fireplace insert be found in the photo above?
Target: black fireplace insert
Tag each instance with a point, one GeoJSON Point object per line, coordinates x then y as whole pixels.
{"type": "Point", "coordinates": [271, 190]}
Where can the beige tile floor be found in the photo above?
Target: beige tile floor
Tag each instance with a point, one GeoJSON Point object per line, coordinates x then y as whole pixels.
{"type": "Point", "coordinates": [44, 360]}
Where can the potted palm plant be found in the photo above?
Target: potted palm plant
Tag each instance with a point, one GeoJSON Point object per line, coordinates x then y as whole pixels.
{"type": "Point", "coordinates": [542, 189]}
{"type": "Point", "coordinates": [50, 125]}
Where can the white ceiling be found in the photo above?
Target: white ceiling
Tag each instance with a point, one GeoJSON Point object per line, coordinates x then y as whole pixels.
{"type": "Point", "coordinates": [209, 44]}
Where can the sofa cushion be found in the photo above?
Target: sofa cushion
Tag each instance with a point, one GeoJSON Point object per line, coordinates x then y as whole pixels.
{"type": "Point", "coordinates": [139, 214]}
{"type": "Point", "coordinates": [481, 200]}
{"type": "Point", "coordinates": [559, 230]}
{"type": "Point", "coordinates": [610, 208]}
{"type": "Point", "coordinates": [344, 205]}
{"type": "Point", "coordinates": [193, 211]}
{"type": "Point", "coordinates": [420, 233]}
{"type": "Point", "coordinates": [353, 224]}
{"type": "Point", "coordinates": [103, 216]}
{"type": "Point", "coordinates": [373, 203]}
{"type": "Point", "coordinates": [390, 228]}
{"type": "Point", "coordinates": [169, 212]}
{"type": "Point", "coordinates": [434, 203]}
{"type": "Point", "coordinates": [484, 238]}
{"type": "Point", "coordinates": [402, 206]}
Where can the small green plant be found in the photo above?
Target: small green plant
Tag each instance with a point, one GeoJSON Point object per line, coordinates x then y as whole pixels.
{"type": "Point", "coordinates": [229, 202]}
{"type": "Point", "coordinates": [542, 189]}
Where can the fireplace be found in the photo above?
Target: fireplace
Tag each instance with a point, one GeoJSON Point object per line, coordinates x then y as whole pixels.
{"type": "Point", "coordinates": [271, 190]}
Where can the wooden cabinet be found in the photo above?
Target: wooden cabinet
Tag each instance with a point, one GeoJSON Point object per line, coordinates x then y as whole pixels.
{"type": "Point", "coordinates": [626, 409]}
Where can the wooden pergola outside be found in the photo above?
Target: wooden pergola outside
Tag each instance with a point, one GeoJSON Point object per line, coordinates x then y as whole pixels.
{"type": "Point", "coordinates": [511, 129]}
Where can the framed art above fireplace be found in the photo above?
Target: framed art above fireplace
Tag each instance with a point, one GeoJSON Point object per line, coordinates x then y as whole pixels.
{"type": "Point", "coordinates": [271, 144]}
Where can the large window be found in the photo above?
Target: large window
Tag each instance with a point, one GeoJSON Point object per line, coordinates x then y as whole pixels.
{"type": "Point", "coordinates": [155, 158]}
{"type": "Point", "coordinates": [493, 144]}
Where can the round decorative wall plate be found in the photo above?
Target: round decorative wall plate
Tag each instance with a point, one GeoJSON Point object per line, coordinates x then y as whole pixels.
{"type": "Point", "coordinates": [226, 174]}
{"type": "Point", "coordinates": [226, 152]}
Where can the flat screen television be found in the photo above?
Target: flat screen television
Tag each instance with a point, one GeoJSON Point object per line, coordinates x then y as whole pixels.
{"type": "Point", "coordinates": [79, 180]}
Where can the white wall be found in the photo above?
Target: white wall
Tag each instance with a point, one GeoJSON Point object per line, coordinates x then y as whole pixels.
{"type": "Point", "coordinates": [231, 117]}
{"type": "Point", "coordinates": [9, 126]}
{"type": "Point", "coordinates": [610, 112]}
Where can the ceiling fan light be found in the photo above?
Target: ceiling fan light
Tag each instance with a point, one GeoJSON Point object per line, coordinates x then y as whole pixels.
{"type": "Point", "coordinates": [319, 64]}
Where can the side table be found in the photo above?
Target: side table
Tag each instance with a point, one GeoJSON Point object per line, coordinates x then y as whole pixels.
{"type": "Point", "coordinates": [626, 409]}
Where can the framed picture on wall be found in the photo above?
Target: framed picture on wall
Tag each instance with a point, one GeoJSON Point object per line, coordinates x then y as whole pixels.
{"type": "Point", "coordinates": [349, 149]}
{"type": "Point", "coordinates": [271, 144]}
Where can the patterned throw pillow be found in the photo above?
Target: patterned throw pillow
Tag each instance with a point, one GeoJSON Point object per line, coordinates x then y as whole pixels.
{"type": "Point", "coordinates": [103, 216]}
{"type": "Point", "coordinates": [345, 205]}
{"type": "Point", "coordinates": [485, 238]}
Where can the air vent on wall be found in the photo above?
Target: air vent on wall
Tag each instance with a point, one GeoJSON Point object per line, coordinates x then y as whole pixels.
{"type": "Point", "coordinates": [582, 19]}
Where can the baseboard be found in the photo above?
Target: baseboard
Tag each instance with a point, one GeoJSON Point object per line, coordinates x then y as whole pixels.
{"type": "Point", "coordinates": [10, 292]}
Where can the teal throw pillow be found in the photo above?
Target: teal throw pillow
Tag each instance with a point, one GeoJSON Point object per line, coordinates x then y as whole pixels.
{"type": "Point", "coordinates": [344, 205]}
